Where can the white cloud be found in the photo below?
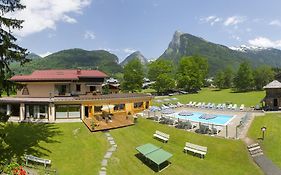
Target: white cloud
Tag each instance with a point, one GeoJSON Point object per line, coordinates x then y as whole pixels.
{"type": "Point", "coordinates": [129, 50]}
{"type": "Point", "coordinates": [44, 14]}
{"type": "Point", "coordinates": [234, 20]}
{"type": "Point", "coordinates": [45, 54]}
{"type": "Point", "coordinates": [275, 23]}
{"type": "Point", "coordinates": [89, 35]}
{"type": "Point", "coordinates": [211, 20]}
{"type": "Point", "coordinates": [265, 42]}
{"type": "Point", "coordinates": [68, 19]}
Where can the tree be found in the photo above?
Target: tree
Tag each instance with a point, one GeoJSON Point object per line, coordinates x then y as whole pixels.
{"type": "Point", "coordinates": [9, 50]}
{"type": "Point", "coordinates": [164, 82]}
{"type": "Point", "coordinates": [159, 67]}
{"type": "Point", "coordinates": [262, 76]}
{"type": "Point", "coordinates": [133, 76]}
{"type": "Point", "coordinates": [244, 80]}
{"type": "Point", "coordinates": [219, 80]}
{"type": "Point", "coordinates": [224, 79]}
{"type": "Point", "coordinates": [192, 72]}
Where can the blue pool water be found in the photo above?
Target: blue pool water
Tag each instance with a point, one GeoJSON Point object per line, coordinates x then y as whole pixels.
{"type": "Point", "coordinates": [219, 120]}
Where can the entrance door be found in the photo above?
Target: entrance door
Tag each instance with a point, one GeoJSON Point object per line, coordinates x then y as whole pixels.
{"type": "Point", "coordinates": [275, 102]}
{"type": "Point", "coordinates": [86, 111]}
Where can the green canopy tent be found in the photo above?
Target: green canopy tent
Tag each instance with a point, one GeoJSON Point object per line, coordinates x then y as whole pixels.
{"type": "Point", "coordinates": [154, 154]}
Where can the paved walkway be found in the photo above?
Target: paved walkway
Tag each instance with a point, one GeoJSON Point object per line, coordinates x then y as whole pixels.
{"type": "Point", "coordinates": [267, 166]}
{"type": "Point", "coordinates": [108, 154]}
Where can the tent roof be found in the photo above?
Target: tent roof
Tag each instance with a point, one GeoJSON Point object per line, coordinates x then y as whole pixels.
{"type": "Point", "coordinates": [154, 153]}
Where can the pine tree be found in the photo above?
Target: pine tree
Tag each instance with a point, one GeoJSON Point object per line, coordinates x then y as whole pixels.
{"type": "Point", "coordinates": [9, 50]}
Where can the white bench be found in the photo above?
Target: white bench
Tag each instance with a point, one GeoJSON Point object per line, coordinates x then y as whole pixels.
{"type": "Point", "coordinates": [161, 136]}
{"type": "Point", "coordinates": [37, 159]}
{"type": "Point", "coordinates": [197, 149]}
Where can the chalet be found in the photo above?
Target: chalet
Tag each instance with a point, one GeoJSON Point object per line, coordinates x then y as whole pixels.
{"type": "Point", "coordinates": [272, 99]}
{"type": "Point", "coordinates": [55, 95]}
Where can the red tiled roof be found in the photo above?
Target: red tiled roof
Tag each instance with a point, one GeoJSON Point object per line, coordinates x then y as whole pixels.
{"type": "Point", "coordinates": [49, 75]}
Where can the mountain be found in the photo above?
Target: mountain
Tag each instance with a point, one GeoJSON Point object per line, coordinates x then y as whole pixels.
{"type": "Point", "coordinates": [218, 56]}
{"type": "Point", "coordinates": [134, 55]}
{"type": "Point", "coordinates": [72, 59]}
{"type": "Point", "coordinates": [33, 56]}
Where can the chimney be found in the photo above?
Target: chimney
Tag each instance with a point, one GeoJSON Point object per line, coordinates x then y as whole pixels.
{"type": "Point", "coordinates": [78, 71]}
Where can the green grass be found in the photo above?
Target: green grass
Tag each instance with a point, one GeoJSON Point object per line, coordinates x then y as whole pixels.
{"type": "Point", "coordinates": [74, 150]}
{"type": "Point", "coordinates": [223, 157]}
{"type": "Point", "coordinates": [70, 146]}
{"type": "Point", "coordinates": [271, 144]}
{"type": "Point", "coordinates": [223, 96]}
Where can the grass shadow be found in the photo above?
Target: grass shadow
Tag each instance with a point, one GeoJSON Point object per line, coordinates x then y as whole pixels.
{"type": "Point", "coordinates": [24, 138]}
{"type": "Point", "coordinates": [153, 166]}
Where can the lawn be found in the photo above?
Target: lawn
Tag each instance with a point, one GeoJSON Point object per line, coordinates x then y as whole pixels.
{"type": "Point", "coordinates": [272, 142]}
{"type": "Point", "coordinates": [70, 146]}
{"type": "Point", "coordinates": [224, 156]}
{"type": "Point", "coordinates": [223, 96]}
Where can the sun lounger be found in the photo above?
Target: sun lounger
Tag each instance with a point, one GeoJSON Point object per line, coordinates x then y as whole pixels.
{"type": "Point", "coordinates": [198, 105]}
{"type": "Point", "coordinates": [208, 105]}
{"type": "Point", "coordinates": [242, 107]}
{"type": "Point", "coordinates": [223, 106]}
{"type": "Point", "coordinates": [164, 107]}
{"type": "Point", "coordinates": [229, 106]}
{"type": "Point", "coordinates": [179, 104]}
{"type": "Point", "coordinates": [203, 105]}
{"type": "Point", "coordinates": [193, 104]}
{"type": "Point", "coordinates": [218, 106]}
{"type": "Point", "coordinates": [172, 105]}
{"type": "Point", "coordinates": [196, 149]}
{"type": "Point", "coordinates": [234, 107]}
{"type": "Point", "coordinates": [189, 104]}
{"type": "Point", "coordinates": [213, 106]}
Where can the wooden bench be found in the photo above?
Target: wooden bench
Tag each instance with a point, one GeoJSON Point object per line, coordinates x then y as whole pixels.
{"type": "Point", "coordinates": [196, 149]}
{"type": "Point", "coordinates": [37, 159]}
{"type": "Point", "coordinates": [162, 136]}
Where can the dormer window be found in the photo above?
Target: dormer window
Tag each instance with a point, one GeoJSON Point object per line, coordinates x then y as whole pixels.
{"type": "Point", "coordinates": [25, 91]}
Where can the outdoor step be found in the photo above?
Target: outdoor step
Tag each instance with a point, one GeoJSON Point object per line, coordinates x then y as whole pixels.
{"type": "Point", "coordinates": [254, 148]}
{"type": "Point", "coordinates": [256, 152]}
{"type": "Point", "coordinates": [102, 173]}
{"type": "Point", "coordinates": [108, 155]}
{"type": "Point", "coordinates": [109, 138]}
{"type": "Point", "coordinates": [104, 162]}
{"type": "Point", "coordinates": [253, 145]}
{"type": "Point", "coordinates": [259, 154]}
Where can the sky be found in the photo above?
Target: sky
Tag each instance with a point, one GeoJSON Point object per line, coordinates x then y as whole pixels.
{"type": "Point", "coordinates": [124, 26]}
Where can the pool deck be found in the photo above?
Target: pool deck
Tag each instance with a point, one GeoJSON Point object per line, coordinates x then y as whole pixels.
{"type": "Point", "coordinates": [228, 131]}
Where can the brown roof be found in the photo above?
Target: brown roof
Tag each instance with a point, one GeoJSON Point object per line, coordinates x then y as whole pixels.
{"type": "Point", "coordinates": [51, 75]}
{"type": "Point", "coordinates": [69, 99]}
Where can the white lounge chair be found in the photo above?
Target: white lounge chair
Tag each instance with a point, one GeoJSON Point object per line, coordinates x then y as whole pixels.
{"type": "Point", "coordinates": [208, 105]}
{"type": "Point", "coordinates": [242, 107]}
{"type": "Point", "coordinates": [179, 104]}
{"type": "Point", "coordinates": [189, 104]}
{"type": "Point", "coordinates": [213, 106]}
{"type": "Point", "coordinates": [172, 105]}
{"type": "Point", "coordinates": [229, 106]}
{"type": "Point", "coordinates": [234, 107]}
{"type": "Point", "coordinates": [203, 105]}
{"type": "Point", "coordinates": [218, 106]}
{"type": "Point", "coordinates": [164, 107]}
{"type": "Point", "coordinates": [198, 105]}
{"type": "Point", "coordinates": [193, 104]}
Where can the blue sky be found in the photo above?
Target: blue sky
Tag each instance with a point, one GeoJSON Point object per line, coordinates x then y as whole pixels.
{"type": "Point", "coordinates": [123, 26]}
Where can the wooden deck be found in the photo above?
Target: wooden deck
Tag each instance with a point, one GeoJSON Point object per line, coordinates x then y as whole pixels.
{"type": "Point", "coordinates": [118, 121]}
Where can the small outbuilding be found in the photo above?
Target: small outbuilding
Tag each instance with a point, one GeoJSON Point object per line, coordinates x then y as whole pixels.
{"type": "Point", "coordinates": [272, 99]}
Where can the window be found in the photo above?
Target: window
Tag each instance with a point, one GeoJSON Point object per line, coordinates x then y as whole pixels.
{"type": "Point", "coordinates": [67, 111]}
{"type": "Point", "coordinates": [62, 89]}
{"type": "Point", "coordinates": [138, 105]}
{"type": "Point", "coordinates": [97, 109]}
{"type": "Point", "coordinates": [78, 87]}
{"type": "Point", "coordinates": [119, 107]}
{"type": "Point", "coordinates": [25, 91]}
{"type": "Point", "coordinates": [92, 88]}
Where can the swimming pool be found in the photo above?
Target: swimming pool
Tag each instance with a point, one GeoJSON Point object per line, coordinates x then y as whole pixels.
{"type": "Point", "coordinates": [218, 120]}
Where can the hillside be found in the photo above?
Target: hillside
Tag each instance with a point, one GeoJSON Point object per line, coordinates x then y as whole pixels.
{"type": "Point", "coordinates": [134, 55]}
{"type": "Point", "coordinates": [72, 59]}
{"type": "Point", "coordinates": [219, 56]}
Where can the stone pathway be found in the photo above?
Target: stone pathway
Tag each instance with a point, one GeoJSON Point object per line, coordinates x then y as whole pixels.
{"type": "Point", "coordinates": [267, 166]}
{"type": "Point", "coordinates": [108, 154]}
